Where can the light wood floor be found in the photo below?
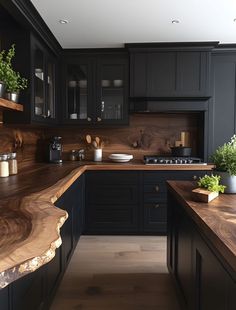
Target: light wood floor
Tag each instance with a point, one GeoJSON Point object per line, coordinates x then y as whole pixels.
{"type": "Point", "coordinates": [117, 273]}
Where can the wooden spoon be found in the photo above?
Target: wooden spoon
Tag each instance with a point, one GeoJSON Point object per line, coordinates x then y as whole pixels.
{"type": "Point", "coordinates": [95, 144]}
{"type": "Point", "coordinates": [88, 139]}
{"type": "Point", "coordinates": [97, 139]}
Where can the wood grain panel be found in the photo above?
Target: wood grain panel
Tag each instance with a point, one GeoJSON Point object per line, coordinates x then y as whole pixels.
{"type": "Point", "coordinates": [154, 134]}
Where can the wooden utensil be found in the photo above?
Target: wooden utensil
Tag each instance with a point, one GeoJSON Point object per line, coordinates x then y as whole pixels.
{"type": "Point", "coordinates": [95, 144]}
{"type": "Point", "coordinates": [97, 139]}
{"type": "Point", "coordinates": [88, 139]}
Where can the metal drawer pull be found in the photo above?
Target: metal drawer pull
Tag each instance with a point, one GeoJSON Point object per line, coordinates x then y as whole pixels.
{"type": "Point", "coordinates": [157, 206]}
{"type": "Point", "coordinates": [89, 119]}
{"type": "Point", "coordinates": [194, 177]}
{"type": "Point", "coordinates": [157, 188]}
{"type": "Point", "coordinates": [99, 119]}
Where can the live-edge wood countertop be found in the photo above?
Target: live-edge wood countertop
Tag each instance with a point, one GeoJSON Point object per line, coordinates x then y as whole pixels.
{"type": "Point", "coordinates": [29, 221]}
{"type": "Point", "coordinates": [216, 219]}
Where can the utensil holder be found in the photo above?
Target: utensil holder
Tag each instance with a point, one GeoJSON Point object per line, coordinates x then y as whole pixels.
{"type": "Point", "coordinates": [97, 155]}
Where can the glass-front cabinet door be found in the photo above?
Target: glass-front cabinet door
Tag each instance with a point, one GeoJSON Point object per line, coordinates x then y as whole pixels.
{"type": "Point", "coordinates": [77, 92]}
{"type": "Point", "coordinates": [39, 84]}
{"type": "Point", "coordinates": [44, 77]}
{"type": "Point", "coordinates": [112, 88]}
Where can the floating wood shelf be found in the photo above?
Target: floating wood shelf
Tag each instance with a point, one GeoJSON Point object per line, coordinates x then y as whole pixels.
{"type": "Point", "coordinates": [10, 105]}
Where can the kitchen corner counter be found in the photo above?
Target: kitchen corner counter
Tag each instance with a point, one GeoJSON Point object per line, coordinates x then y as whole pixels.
{"type": "Point", "coordinates": [216, 220]}
{"type": "Point", "coordinates": [28, 215]}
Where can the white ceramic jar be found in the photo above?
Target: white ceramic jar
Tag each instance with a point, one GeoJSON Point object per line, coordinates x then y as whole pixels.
{"type": "Point", "coordinates": [4, 166]}
{"type": "Point", "coordinates": [97, 155]}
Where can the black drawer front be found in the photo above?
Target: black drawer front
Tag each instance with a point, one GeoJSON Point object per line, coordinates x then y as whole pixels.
{"type": "Point", "coordinates": [110, 194]}
{"type": "Point", "coordinates": [118, 218]}
{"type": "Point", "coordinates": [155, 217]}
{"type": "Point", "coordinates": [112, 177]}
{"type": "Point", "coordinates": [154, 177]}
{"type": "Point", "coordinates": [153, 198]}
{"type": "Point", "coordinates": [156, 188]}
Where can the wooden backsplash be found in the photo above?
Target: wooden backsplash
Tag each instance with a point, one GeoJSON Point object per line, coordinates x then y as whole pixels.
{"type": "Point", "coordinates": [24, 141]}
{"type": "Point", "coordinates": [154, 134]}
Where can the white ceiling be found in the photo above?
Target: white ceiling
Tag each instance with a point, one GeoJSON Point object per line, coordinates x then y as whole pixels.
{"type": "Point", "coordinates": [111, 23]}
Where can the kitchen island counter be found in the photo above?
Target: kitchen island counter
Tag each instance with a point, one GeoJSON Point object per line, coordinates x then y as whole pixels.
{"type": "Point", "coordinates": [28, 215]}
{"type": "Point", "coordinates": [216, 220]}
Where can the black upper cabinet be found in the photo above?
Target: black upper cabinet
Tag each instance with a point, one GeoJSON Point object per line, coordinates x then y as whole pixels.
{"type": "Point", "coordinates": [95, 89]}
{"type": "Point", "coordinates": [43, 83]}
{"type": "Point", "coordinates": [40, 66]}
{"type": "Point", "coordinates": [222, 105]}
{"type": "Point", "coordinates": [157, 74]}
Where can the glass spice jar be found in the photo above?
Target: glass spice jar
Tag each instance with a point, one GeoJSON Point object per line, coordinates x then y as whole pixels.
{"type": "Point", "coordinates": [4, 166]}
{"type": "Point", "coordinates": [13, 169]}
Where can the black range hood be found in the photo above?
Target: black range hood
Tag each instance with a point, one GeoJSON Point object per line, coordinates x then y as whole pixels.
{"type": "Point", "coordinates": [162, 106]}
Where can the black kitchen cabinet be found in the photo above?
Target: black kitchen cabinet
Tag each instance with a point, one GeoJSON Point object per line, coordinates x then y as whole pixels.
{"type": "Point", "coordinates": [203, 280]}
{"type": "Point", "coordinates": [222, 105]}
{"type": "Point", "coordinates": [95, 89]}
{"type": "Point", "coordinates": [4, 298]}
{"type": "Point", "coordinates": [43, 83]}
{"type": "Point", "coordinates": [167, 74]}
{"type": "Point", "coordinates": [39, 65]}
{"type": "Point", "coordinates": [155, 197]}
{"type": "Point", "coordinates": [112, 202]}
{"type": "Point", "coordinates": [129, 201]}
{"type": "Point", "coordinates": [28, 292]}
{"type": "Point", "coordinates": [73, 202]}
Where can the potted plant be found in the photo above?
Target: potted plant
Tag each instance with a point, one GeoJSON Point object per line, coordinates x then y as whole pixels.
{"type": "Point", "coordinates": [209, 188]}
{"type": "Point", "coordinates": [14, 83]}
{"type": "Point", "coordinates": [10, 80]}
{"type": "Point", "coordinates": [224, 159]}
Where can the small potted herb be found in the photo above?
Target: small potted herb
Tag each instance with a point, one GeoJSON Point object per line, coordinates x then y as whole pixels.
{"type": "Point", "coordinates": [209, 188]}
{"type": "Point", "coordinates": [10, 79]}
{"type": "Point", "coordinates": [224, 159]}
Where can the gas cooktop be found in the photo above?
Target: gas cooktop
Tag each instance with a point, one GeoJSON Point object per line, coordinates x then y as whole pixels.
{"type": "Point", "coordinates": [168, 160]}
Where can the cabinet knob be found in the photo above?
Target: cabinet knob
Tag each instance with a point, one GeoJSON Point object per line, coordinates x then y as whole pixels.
{"type": "Point", "coordinates": [157, 188]}
{"type": "Point", "coordinates": [99, 119]}
{"type": "Point", "coordinates": [89, 119]}
{"type": "Point", "coordinates": [195, 177]}
{"type": "Point", "coordinates": [157, 206]}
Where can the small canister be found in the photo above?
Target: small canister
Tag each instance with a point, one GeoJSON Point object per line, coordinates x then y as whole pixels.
{"type": "Point", "coordinates": [12, 163]}
{"type": "Point", "coordinates": [73, 155]}
{"type": "Point", "coordinates": [4, 166]}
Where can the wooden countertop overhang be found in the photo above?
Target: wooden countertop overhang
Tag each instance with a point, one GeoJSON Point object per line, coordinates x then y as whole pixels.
{"type": "Point", "coordinates": [29, 221]}
{"type": "Point", "coordinates": [216, 220]}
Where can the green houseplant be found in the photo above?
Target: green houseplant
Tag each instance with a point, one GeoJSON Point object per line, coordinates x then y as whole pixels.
{"type": "Point", "coordinates": [224, 159]}
{"type": "Point", "coordinates": [11, 79]}
{"type": "Point", "coordinates": [211, 183]}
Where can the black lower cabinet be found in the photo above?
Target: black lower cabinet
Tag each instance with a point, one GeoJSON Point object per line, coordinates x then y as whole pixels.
{"type": "Point", "coordinates": [154, 204]}
{"type": "Point", "coordinates": [112, 202]}
{"type": "Point", "coordinates": [4, 298]}
{"type": "Point", "coordinates": [202, 280]}
{"type": "Point", "coordinates": [27, 293]}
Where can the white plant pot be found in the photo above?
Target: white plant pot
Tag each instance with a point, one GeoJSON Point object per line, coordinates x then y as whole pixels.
{"type": "Point", "coordinates": [228, 180]}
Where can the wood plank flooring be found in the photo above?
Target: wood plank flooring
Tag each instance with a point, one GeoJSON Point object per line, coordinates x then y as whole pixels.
{"type": "Point", "coordinates": [117, 273]}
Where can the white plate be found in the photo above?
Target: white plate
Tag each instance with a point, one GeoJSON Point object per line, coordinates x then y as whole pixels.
{"type": "Point", "coordinates": [121, 158]}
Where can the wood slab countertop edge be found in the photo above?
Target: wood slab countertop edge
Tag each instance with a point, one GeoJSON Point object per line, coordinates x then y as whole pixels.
{"type": "Point", "coordinates": [30, 253]}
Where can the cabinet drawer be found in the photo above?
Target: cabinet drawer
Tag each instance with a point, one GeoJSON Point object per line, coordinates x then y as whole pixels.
{"type": "Point", "coordinates": [153, 177]}
{"type": "Point", "coordinates": [118, 218]}
{"type": "Point", "coordinates": [157, 188]}
{"type": "Point", "coordinates": [154, 198]}
{"type": "Point", "coordinates": [110, 194]}
{"type": "Point", "coordinates": [112, 177]}
{"type": "Point", "coordinates": [155, 217]}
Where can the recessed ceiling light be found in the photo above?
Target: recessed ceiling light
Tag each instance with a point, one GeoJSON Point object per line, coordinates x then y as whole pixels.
{"type": "Point", "coordinates": [175, 21]}
{"type": "Point", "coordinates": [63, 21]}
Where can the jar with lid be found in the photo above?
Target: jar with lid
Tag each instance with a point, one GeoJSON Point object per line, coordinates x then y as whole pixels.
{"type": "Point", "coordinates": [73, 155]}
{"type": "Point", "coordinates": [4, 166]}
{"type": "Point", "coordinates": [12, 163]}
